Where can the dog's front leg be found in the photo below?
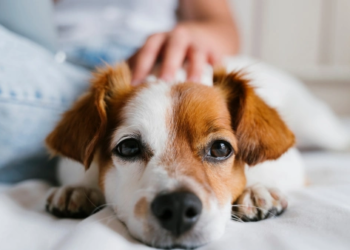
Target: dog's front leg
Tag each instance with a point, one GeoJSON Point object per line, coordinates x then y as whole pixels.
{"type": "Point", "coordinates": [258, 203]}
{"type": "Point", "coordinates": [79, 196]}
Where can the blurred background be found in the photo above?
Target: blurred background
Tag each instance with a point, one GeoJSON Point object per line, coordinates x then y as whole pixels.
{"type": "Point", "coordinates": [309, 38]}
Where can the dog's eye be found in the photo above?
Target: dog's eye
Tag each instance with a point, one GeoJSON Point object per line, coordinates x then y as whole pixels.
{"type": "Point", "coordinates": [128, 148]}
{"type": "Point", "coordinates": [220, 149]}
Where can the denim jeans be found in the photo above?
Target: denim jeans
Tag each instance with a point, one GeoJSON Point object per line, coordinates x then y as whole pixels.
{"type": "Point", "coordinates": [35, 90]}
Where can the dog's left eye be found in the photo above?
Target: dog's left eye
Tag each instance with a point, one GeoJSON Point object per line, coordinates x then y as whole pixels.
{"type": "Point", "coordinates": [128, 148]}
{"type": "Point", "coordinates": [220, 150]}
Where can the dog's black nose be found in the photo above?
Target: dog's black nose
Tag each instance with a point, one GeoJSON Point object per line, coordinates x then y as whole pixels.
{"type": "Point", "coordinates": [177, 212]}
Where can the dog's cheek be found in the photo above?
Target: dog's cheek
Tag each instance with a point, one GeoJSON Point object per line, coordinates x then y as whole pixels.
{"type": "Point", "coordinates": [109, 185]}
{"type": "Point", "coordinates": [122, 184]}
{"type": "Point", "coordinates": [213, 222]}
{"type": "Point", "coordinates": [238, 180]}
{"type": "Point", "coordinates": [227, 181]}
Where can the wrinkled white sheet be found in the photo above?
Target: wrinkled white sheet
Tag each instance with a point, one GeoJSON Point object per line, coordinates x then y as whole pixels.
{"type": "Point", "coordinates": [318, 218]}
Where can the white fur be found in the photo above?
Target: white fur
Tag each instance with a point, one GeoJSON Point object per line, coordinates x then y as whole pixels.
{"type": "Point", "coordinates": [146, 115]}
{"type": "Point", "coordinates": [286, 173]}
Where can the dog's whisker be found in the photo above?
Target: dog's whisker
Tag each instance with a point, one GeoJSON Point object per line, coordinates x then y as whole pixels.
{"type": "Point", "coordinates": [103, 206]}
{"type": "Point", "coordinates": [87, 197]}
{"type": "Point", "coordinates": [96, 209]}
{"type": "Point", "coordinates": [237, 213]}
{"type": "Point", "coordinates": [236, 218]}
{"type": "Point", "coordinates": [251, 206]}
{"type": "Point", "coordinates": [105, 218]}
{"type": "Point", "coordinates": [263, 209]}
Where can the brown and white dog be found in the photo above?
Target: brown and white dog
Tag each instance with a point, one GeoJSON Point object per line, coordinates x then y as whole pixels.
{"type": "Point", "coordinates": [172, 159]}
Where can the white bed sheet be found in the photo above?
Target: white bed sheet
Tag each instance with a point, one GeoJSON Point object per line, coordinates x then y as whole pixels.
{"type": "Point", "coordinates": [318, 218]}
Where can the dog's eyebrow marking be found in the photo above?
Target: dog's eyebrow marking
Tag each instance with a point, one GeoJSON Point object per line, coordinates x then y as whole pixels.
{"type": "Point", "coordinates": [146, 151]}
{"type": "Point", "coordinates": [122, 133]}
{"type": "Point", "coordinates": [216, 129]}
{"type": "Point", "coordinates": [136, 136]}
{"type": "Point", "coordinates": [115, 141]}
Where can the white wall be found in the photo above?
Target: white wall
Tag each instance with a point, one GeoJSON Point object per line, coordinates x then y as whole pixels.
{"type": "Point", "coordinates": [310, 38]}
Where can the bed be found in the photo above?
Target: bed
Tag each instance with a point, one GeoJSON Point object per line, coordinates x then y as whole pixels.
{"type": "Point", "coordinates": [318, 217]}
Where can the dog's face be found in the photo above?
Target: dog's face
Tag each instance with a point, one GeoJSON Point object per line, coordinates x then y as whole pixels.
{"type": "Point", "coordinates": [170, 175]}
{"type": "Point", "coordinates": [171, 156]}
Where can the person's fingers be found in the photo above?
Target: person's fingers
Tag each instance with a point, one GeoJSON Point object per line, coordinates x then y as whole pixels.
{"type": "Point", "coordinates": [131, 61]}
{"type": "Point", "coordinates": [174, 53]}
{"type": "Point", "coordinates": [214, 59]}
{"type": "Point", "coordinates": [145, 59]}
{"type": "Point", "coordinates": [196, 62]}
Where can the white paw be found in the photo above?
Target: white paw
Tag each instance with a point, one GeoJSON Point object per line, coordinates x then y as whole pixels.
{"type": "Point", "coordinates": [258, 203]}
{"type": "Point", "coordinates": [73, 202]}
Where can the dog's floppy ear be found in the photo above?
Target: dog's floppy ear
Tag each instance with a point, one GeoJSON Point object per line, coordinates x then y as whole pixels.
{"type": "Point", "coordinates": [82, 127]}
{"type": "Point", "coordinates": [261, 133]}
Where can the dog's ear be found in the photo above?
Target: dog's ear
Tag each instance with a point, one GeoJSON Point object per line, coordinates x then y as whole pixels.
{"type": "Point", "coordinates": [82, 127]}
{"type": "Point", "coordinates": [260, 131]}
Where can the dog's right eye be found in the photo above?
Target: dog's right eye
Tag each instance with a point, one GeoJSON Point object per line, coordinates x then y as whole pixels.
{"type": "Point", "coordinates": [128, 148]}
{"type": "Point", "coordinates": [220, 150]}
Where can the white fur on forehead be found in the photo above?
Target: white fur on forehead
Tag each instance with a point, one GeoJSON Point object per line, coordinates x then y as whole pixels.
{"type": "Point", "coordinates": [147, 114]}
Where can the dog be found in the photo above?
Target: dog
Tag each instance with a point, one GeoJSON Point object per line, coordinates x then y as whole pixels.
{"type": "Point", "coordinates": [175, 161]}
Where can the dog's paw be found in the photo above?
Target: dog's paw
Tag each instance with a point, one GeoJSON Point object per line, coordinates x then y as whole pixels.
{"type": "Point", "coordinates": [73, 202]}
{"type": "Point", "coordinates": [258, 203]}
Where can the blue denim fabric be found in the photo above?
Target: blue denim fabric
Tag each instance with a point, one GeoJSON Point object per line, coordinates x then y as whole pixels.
{"type": "Point", "coordinates": [108, 52]}
{"type": "Point", "coordinates": [34, 91]}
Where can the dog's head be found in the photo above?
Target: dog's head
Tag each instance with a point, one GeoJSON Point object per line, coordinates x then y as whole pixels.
{"type": "Point", "coordinates": [171, 156]}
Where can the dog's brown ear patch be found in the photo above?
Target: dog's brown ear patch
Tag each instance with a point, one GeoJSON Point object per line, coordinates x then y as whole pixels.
{"type": "Point", "coordinates": [82, 127]}
{"type": "Point", "coordinates": [260, 131]}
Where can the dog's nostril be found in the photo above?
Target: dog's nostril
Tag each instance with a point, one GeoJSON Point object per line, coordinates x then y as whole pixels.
{"type": "Point", "coordinates": [177, 212]}
{"type": "Point", "coordinates": [191, 212]}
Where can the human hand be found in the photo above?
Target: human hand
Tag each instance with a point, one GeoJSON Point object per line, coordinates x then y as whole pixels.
{"type": "Point", "coordinates": [196, 43]}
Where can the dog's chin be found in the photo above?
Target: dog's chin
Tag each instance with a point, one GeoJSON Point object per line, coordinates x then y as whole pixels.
{"type": "Point", "coordinates": [176, 246]}
{"type": "Point", "coordinates": [189, 241]}
{"type": "Point", "coordinates": [160, 245]}
{"type": "Point", "coordinates": [171, 242]}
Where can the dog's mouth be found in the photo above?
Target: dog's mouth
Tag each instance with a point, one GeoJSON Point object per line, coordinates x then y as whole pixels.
{"type": "Point", "coordinates": [176, 246]}
{"type": "Point", "coordinates": [173, 242]}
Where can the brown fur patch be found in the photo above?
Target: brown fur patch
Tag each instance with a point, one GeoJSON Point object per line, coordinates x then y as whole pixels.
{"type": "Point", "coordinates": [261, 133]}
{"type": "Point", "coordinates": [200, 115]}
{"type": "Point", "coordinates": [141, 208]}
{"type": "Point", "coordinates": [82, 127]}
